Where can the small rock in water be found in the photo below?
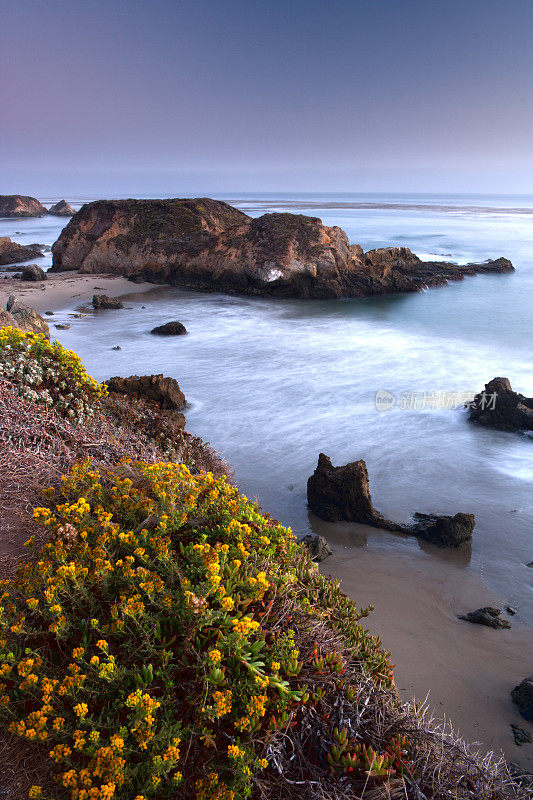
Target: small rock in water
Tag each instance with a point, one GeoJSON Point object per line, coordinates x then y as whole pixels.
{"type": "Point", "coordinates": [317, 546]}
{"type": "Point", "coordinates": [486, 616]}
{"type": "Point", "coordinates": [174, 328]}
{"type": "Point", "coordinates": [143, 306]}
{"type": "Point", "coordinates": [103, 301]}
{"type": "Point", "coordinates": [49, 313]}
{"type": "Point", "coordinates": [62, 326]}
{"type": "Point", "coordinates": [511, 610]}
{"type": "Point", "coordinates": [520, 735]}
{"type": "Point", "coordinates": [290, 487]}
{"type": "Point", "coordinates": [116, 347]}
{"type": "Point", "coordinates": [530, 564]}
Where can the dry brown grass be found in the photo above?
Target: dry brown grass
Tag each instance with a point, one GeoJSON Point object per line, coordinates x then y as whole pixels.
{"type": "Point", "coordinates": [443, 766]}
{"type": "Point", "coordinates": [37, 446]}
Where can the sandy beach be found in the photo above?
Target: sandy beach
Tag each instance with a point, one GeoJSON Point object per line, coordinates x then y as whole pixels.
{"type": "Point", "coordinates": [467, 671]}
{"type": "Point", "coordinates": [67, 290]}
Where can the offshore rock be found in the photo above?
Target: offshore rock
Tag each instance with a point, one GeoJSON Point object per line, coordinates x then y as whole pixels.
{"type": "Point", "coordinates": [208, 245]}
{"type": "Point", "coordinates": [170, 329]}
{"type": "Point", "coordinates": [444, 531]}
{"type": "Point", "coordinates": [339, 494]}
{"type": "Point", "coordinates": [497, 406]}
{"type": "Point", "coordinates": [488, 616]}
{"type": "Point", "coordinates": [342, 494]}
{"type": "Point", "coordinates": [61, 209]}
{"type": "Point", "coordinates": [103, 301]}
{"type": "Point", "coordinates": [18, 205]}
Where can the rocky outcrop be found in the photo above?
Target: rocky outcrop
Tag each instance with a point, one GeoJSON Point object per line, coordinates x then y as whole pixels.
{"type": "Point", "coordinates": [207, 245]}
{"type": "Point", "coordinates": [497, 406]}
{"type": "Point", "coordinates": [165, 393]}
{"type": "Point", "coordinates": [317, 546]}
{"type": "Point", "coordinates": [17, 315]}
{"type": "Point", "coordinates": [522, 695]}
{"type": "Point", "coordinates": [61, 209]}
{"type": "Point", "coordinates": [488, 616]}
{"type": "Point", "coordinates": [170, 329]}
{"type": "Point", "coordinates": [103, 301]}
{"type": "Point", "coordinates": [18, 205]}
{"type": "Point", "coordinates": [14, 253]}
{"type": "Point", "coordinates": [339, 494]}
{"type": "Point", "coordinates": [32, 272]}
{"type": "Point", "coordinates": [342, 494]}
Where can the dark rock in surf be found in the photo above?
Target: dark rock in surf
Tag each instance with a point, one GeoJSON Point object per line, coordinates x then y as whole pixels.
{"type": "Point", "coordinates": [444, 531]}
{"type": "Point", "coordinates": [498, 406]}
{"type": "Point", "coordinates": [488, 616]}
{"type": "Point", "coordinates": [103, 301]}
{"type": "Point", "coordinates": [170, 329]}
{"type": "Point", "coordinates": [342, 493]}
{"type": "Point", "coordinates": [522, 696]}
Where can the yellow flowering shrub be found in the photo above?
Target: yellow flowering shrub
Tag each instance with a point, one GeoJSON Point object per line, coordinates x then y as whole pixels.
{"type": "Point", "coordinates": [156, 645]}
{"type": "Point", "coordinates": [47, 373]}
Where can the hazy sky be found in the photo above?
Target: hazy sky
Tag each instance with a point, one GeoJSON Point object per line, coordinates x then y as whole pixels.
{"type": "Point", "coordinates": [198, 96]}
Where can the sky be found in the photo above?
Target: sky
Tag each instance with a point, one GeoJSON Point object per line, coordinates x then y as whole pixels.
{"type": "Point", "coordinates": [140, 97]}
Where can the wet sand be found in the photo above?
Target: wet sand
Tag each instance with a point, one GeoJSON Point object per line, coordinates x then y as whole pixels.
{"type": "Point", "coordinates": [468, 670]}
{"type": "Point", "coordinates": [67, 290]}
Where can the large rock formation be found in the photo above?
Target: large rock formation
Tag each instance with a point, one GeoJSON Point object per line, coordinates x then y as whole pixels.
{"type": "Point", "coordinates": [18, 205]}
{"type": "Point", "coordinates": [342, 494]}
{"type": "Point", "coordinates": [61, 209]}
{"type": "Point", "coordinates": [14, 253]}
{"type": "Point", "coordinates": [339, 494]}
{"type": "Point", "coordinates": [497, 406]}
{"type": "Point", "coordinates": [208, 245]}
{"type": "Point", "coordinates": [17, 315]}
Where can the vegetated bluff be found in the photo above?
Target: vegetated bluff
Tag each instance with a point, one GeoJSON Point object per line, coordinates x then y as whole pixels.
{"type": "Point", "coordinates": [208, 245]}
